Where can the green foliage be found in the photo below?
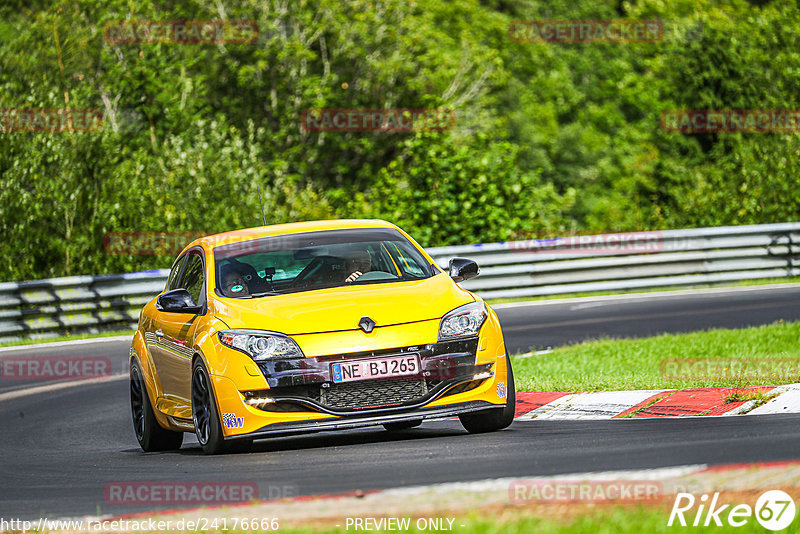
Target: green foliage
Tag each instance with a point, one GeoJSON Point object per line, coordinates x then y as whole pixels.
{"type": "Point", "coordinates": [466, 193]}
{"type": "Point", "coordinates": [548, 137]}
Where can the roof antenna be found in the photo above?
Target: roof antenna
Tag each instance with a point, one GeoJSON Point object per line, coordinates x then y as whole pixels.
{"type": "Point", "coordinates": [262, 204]}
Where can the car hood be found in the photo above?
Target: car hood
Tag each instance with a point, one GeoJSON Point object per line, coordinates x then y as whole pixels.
{"type": "Point", "coordinates": [341, 308]}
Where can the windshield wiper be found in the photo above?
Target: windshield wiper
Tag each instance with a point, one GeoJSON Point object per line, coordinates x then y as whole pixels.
{"type": "Point", "coordinates": [263, 294]}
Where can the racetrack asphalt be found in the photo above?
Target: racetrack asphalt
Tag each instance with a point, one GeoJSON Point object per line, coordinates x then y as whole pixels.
{"type": "Point", "coordinates": [61, 447]}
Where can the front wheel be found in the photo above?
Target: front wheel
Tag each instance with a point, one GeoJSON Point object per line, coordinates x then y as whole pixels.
{"type": "Point", "coordinates": [495, 418]}
{"type": "Point", "coordinates": [207, 426]}
{"type": "Point", "coordinates": [151, 436]}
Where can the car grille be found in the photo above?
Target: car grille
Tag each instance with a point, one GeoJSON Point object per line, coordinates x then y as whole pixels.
{"type": "Point", "coordinates": [372, 393]}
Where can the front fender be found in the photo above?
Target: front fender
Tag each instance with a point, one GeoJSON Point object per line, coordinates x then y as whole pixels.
{"type": "Point", "coordinates": [224, 361]}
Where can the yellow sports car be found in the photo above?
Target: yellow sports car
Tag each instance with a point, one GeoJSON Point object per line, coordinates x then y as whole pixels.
{"type": "Point", "coordinates": [313, 326]}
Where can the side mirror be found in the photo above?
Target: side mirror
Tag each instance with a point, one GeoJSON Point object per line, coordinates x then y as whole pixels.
{"type": "Point", "coordinates": [177, 301]}
{"type": "Point", "coordinates": [463, 269]}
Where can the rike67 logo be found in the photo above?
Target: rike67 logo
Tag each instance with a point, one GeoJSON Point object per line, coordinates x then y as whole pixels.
{"type": "Point", "coordinates": [774, 510]}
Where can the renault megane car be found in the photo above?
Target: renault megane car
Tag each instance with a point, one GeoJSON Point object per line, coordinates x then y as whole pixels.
{"type": "Point", "coordinates": [313, 326]}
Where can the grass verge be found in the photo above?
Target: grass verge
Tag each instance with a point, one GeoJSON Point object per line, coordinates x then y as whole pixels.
{"type": "Point", "coordinates": [760, 397]}
{"type": "Point", "coordinates": [67, 338]}
{"type": "Point", "coordinates": [764, 355]}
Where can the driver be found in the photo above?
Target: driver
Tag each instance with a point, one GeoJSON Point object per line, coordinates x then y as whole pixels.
{"type": "Point", "coordinates": [357, 263]}
{"type": "Point", "coordinates": [233, 284]}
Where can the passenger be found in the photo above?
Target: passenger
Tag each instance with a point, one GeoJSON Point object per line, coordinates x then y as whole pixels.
{"type": "Point", "coordinates": [357, 263]}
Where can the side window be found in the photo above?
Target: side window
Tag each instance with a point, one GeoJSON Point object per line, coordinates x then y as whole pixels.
{"type": "Point", "coordinates": [172, 281]}
{"type": "Point", "coordinates": [192, 279]}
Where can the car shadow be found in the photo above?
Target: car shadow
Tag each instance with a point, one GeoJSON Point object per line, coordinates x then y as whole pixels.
{"type": "Point", "coordinates": [342, 438]}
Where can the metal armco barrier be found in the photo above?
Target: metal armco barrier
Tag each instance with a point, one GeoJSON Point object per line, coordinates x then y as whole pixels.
{"type": "Point", "coordinates": [538, 267]}
{"type": "Point", "coordinates": [634, 260]}
{"type": "Point", "coordinates": [75, 304]}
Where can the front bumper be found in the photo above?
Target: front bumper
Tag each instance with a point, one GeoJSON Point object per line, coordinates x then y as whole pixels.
{"type": "Point", "coordinates": [349, 423]}
{"type": "Point", "coordinates": [456, 377]}
{"type": "Point", "coordinates": [306, 384]}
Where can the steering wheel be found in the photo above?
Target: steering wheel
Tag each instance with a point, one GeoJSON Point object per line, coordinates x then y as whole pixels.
{"type": "Point", "coordinates": [376, 275]}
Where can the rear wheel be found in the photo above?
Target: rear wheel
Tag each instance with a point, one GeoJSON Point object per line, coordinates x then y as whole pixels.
{"type": "Point", "coordinates": [495, 418]}
{"type": "Point", "coordinates": [151, 435]}
{"type": "Point", "coordinates": [394, 427]}
{"type": "Point", "coordinates": [207, 426]}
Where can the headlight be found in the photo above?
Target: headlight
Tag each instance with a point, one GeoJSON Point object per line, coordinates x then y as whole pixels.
{"type": "Point", "coordinates": [261, 346]}
{"type": "Point", "coordinates": [464, 321]}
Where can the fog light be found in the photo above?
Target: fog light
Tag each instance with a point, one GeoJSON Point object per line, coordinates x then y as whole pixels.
{"type": "Point", "coordinates": [258, 401]}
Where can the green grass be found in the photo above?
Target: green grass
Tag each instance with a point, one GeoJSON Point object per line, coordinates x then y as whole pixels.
{"type": "Point", "coordinates": [607, 365]}
{"type": "Point", "coordinates": [68, 338]}
{"type": "Point", "coordinates": [604, 520]}
{"type": "Point", "coordinates": [742, 283]}
{"type": "Point", "coordinates": [760, 397]}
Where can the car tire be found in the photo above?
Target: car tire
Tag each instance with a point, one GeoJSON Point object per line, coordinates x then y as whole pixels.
{"type": "Point", "coordinates": [495, 418]}
{"type": "Point", "coordinates": [403, 425]}
{"type": "Point", "coordinates": [205, 416]}
{"type": "Point", "coordinates": [151, 436]}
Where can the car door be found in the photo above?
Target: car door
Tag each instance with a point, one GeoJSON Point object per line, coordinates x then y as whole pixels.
{"type": "Point", "coordinates": [173, 337]}
{"type": "Point", "coordinates": [153, 318]}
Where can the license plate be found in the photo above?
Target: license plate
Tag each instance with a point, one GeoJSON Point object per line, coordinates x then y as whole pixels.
{"type": "Point", "coordinates": [375, 368]}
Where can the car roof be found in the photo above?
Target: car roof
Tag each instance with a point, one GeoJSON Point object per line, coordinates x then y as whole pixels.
{"type": "Point", "coordinates": [245, 234]}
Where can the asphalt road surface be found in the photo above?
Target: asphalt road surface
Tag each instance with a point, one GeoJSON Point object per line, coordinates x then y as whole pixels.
{"type": "Point", "coordinates": [61, 447]}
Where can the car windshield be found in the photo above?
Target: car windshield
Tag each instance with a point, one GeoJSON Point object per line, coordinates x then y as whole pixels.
{"type": "Point", "coordinates": [316, 260]}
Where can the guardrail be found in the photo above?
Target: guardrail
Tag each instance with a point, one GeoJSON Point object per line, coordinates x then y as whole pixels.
{"type": "Point", "coordinates": [75, 304]}
{"type": "Point", "coordinates": [634, 260]}
{"type": "Point", "coordinates": [538, 267]}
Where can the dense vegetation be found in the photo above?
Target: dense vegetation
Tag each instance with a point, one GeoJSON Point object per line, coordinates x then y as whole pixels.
{"type": "Point", "coordinates": [548, 137]}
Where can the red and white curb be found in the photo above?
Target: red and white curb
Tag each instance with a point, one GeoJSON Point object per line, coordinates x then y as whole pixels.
{"type": "Point", "coordinates": [655, 403]}
{"type": "Point", "coordinates": [787, 401]}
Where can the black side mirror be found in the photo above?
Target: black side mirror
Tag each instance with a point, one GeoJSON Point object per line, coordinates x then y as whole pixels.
{"type": "Point", "coordinates": [177, 301]}
{"type": "Point", "coordinates": [463, 269]}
